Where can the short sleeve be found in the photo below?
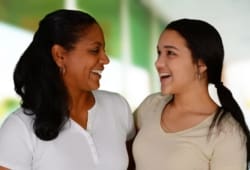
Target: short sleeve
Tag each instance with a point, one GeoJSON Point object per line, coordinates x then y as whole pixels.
{"type": "Point", "coordinates": [230, 151]}
{"type": "Point", "coordinates": [151, 102]}
{"type": "Point", "coordinates": [138, 118]}
{"type": "Point", "coordinates": [15, 147]}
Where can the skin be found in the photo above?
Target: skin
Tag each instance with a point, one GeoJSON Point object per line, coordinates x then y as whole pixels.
{"type": "Point", "coordinates": [81, 66]}
{"type": "Point", "coordinates": [186, 80]}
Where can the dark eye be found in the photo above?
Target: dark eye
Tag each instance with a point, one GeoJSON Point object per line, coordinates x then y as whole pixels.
{"type": "Point", "coordinates": [170, 53]}
{"type": "Point", "coordinates": [158, 52]}
{"type": "Point", "coordinates": [95, 50]}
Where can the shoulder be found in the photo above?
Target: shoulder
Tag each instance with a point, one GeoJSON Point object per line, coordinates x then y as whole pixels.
{"type": "Point", "coordinates": [228, 137]}
{"type": "Point", "coordinates": [231, 128]}
{"type": "Point", "coordinates": [111, 102]}
{"type": "Point", "coordinates": [109, 97]}
{"type": "Point", "coordinates": [152, 104]}
{"type": "Point", "coordinates": [17, 123]}
{"type": "Point", "coordinates": [115, 105]}
{"type": "Point", "coordinates": [229, 124]}
{"type": "Point", "coordinates": [154, 100]}
{"type": "Point", "coordinates": [17, 126]}
{"type": "Point", "coordinates": [18, 118]}
{"type": "Point", "coordinates": [104, 93]}
{"type": "Point", "coordinates": [16, 133]}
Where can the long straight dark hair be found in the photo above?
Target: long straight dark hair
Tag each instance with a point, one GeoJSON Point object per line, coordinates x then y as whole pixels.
{"type": "Point", "coordinates": [205, 43]}
{"type": "Point", "coordinates": [37, 78]}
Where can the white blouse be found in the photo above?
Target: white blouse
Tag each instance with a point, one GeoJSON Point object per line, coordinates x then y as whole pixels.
{"type": "Point", "coordinates": [102, 146]}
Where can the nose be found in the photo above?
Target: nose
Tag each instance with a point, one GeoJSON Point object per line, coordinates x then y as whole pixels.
{"type": "Point", "coordinates": [104, 58]}
{"type": "Point", "coordinates": [159, 62]}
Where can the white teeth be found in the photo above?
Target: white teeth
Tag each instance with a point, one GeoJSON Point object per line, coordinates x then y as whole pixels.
{"type": "Point", "coordinates": [97, 71]}
{"type": "Point", "coordinates": [164, 74]}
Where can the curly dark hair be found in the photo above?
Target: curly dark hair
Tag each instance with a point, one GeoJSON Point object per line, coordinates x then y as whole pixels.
{"type": "Point", "coordinates": [37, 78]}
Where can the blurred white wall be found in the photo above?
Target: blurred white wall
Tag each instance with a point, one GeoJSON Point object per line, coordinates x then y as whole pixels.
{"type": "Point", "coordinates": [12, 44]}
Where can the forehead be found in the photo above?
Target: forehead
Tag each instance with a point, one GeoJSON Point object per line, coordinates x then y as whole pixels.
{"type": "Point", "coordinates": [171, 37]}
{"type": "Point", "coordinates": [92, 34]}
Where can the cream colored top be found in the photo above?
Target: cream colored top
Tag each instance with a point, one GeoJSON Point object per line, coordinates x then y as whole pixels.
{"type": "Point", "coordinates": [190, 149]}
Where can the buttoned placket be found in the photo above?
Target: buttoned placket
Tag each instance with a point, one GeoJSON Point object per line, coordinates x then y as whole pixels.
{"type": "Point", "coordinates": [87, 133]}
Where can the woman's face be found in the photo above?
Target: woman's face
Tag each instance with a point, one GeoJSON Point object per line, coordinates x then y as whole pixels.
{"type": "Point", "coordinates": [85, 63]}
{"type": "Point", "coordinates": [174, 64]}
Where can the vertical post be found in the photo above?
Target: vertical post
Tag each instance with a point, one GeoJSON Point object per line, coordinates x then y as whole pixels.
{"type": "Point", "coordinates": [125, 32]}
{"type": "Point", "coordinates": [125, 43]}
{"type": "Point", "coordinates": [70, 4]}
{"type": "Point", "coordinates": [154, 35]}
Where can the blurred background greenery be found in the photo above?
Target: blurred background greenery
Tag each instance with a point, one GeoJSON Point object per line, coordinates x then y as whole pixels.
{"type": "Point", "coordinates": [131, 28]}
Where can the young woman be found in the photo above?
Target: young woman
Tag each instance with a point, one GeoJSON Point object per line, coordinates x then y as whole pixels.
{"type": "Point", "coordinates": [64, 122]}
{"type": "Point", "coordinates": [183, 128]}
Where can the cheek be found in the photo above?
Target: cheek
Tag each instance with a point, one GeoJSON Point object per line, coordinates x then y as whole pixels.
{"type": "Point", "coordinates": [75, 72]}
{"type": "Point", "coordinates": [74, 67]}
{"type": "Point", "coordinates": [76, 64]}
{"type": "Point", "coordinates": [186, 74]}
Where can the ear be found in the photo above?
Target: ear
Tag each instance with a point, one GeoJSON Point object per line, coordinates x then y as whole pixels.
{"type": "Point", "coordinates": [58, 54]}
{"type": "Point", "coordinates": [201, 66]}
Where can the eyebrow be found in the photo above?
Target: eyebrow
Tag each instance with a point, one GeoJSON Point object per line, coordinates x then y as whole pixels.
{"type": "Point", "coordinates": [169, 47]}
{"type": "Point", "coordinates": [98, 43]}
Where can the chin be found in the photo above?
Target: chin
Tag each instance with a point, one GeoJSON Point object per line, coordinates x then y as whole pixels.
{"type": "Point", "coordinates": [96, 87]}
{"type": "Point", "coordinates": [166, 92]}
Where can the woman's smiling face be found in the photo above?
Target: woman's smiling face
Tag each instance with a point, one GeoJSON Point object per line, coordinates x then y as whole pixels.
{"type": "Point", "coordinates": [175, 65]}
{"type": "Point", "coordinates": [85, 62]}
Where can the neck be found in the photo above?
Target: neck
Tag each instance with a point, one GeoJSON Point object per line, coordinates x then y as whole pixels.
{"type": "Point", "coordinates": [196, 101]}
{"type": "Point", "coordinates": [81, 102]}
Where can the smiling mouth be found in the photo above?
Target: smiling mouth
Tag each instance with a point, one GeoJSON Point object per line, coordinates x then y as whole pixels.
{"type": "Point", "coordinates": [98, 72]}
{"type": "Point", "coordinates": [164, 75]}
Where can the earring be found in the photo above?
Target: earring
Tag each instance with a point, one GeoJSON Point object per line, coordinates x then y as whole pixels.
{"type": "Point", "coordinates": [62, 70]}
{"type": "Point", "coordinates": [199, 76]}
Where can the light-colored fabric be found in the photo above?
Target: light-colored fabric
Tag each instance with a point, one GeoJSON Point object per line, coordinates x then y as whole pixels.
{"type": "Point", "coordinates": [190, 149]}
{"type": "Point", "coordinates": [101, 147]}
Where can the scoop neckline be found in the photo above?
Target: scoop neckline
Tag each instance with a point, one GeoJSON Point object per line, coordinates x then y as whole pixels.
{"type": "Point", "coordinates": [207, 119]}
